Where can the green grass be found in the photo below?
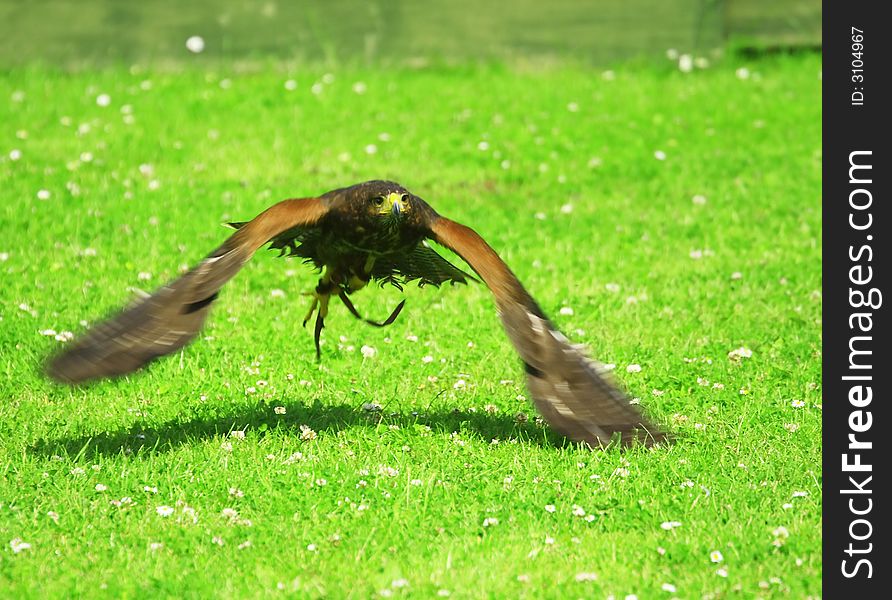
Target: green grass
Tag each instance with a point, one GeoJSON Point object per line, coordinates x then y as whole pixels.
{"type": "Point", "coordinates": [226, 145]}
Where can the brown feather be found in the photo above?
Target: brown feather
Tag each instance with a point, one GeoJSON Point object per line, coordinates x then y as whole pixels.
{"type": "Point", "coordinates": [171, 317]}
{"type": "Point", "coordinates": [565, 385]}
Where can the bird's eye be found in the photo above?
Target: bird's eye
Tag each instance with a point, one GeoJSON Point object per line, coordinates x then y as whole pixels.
{"type": "Point", "coordinates": [378, 200]}
{"type": "Point", "coordinates": [404, 197]}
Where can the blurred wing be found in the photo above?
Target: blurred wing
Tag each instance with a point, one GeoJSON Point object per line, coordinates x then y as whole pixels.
{"type": "Point", "coordinates": [170, 318]}
{"type": "Point", "coordinates": [566, 386]}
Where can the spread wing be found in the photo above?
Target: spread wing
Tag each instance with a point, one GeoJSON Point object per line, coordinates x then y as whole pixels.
{"type": "Point", "coordinates": [565, 385]}
{"type": "Point", "coordinates": [171, 317]}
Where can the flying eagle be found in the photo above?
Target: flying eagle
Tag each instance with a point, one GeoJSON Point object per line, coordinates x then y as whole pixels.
{"type": "Point", "coordinates": [373, 230]}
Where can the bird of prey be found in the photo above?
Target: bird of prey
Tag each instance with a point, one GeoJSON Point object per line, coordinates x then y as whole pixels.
{"type": "Point", "coordinates": [375, 230]}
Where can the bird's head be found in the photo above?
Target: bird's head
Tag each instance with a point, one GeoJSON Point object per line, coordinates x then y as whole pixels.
{"type": "Point", "coordinates": [390, 202]}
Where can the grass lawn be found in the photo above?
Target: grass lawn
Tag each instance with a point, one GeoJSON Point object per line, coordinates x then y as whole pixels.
{"type": "Point", "coordinates": [665, 219]}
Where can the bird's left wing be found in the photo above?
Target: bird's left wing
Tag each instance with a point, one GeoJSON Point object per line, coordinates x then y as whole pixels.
{"type": "Point", "coordinates": [172, 316]}
{"type": "Point", "coordinates": [567, 387]}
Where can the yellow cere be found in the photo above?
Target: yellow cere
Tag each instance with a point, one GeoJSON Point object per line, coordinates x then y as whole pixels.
{"type": "Point", "coordinates": [394, 198]}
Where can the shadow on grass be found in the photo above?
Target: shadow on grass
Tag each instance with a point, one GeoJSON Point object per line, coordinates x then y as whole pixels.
{"type": "Point", "coordinates": [262, 420]}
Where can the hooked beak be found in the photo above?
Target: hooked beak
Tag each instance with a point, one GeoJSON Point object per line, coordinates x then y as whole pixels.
{"type": "Point", "coordinates": [396, 203]}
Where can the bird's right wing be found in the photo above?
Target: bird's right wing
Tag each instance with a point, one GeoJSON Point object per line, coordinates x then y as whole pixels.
{"type": "Point", "coordinates": [173, 315]}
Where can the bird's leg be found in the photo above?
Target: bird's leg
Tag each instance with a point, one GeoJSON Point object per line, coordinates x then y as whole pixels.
{"type": "Point", "coordinates": [357, 282]}
{"type": "Point", "coordinates": [313, 305]}
{"type": "Point", "coordinates": [320, 323]}
{"type": "Point", "coordinates": [360, 279]}
{"type": "Point", "coordinates": [319, 305]}
{"type": "Point", "coordinates": [317, 293]}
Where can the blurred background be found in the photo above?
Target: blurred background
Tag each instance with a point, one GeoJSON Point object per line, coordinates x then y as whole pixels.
{"type": "Point", "coordinates": [74, 32]}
